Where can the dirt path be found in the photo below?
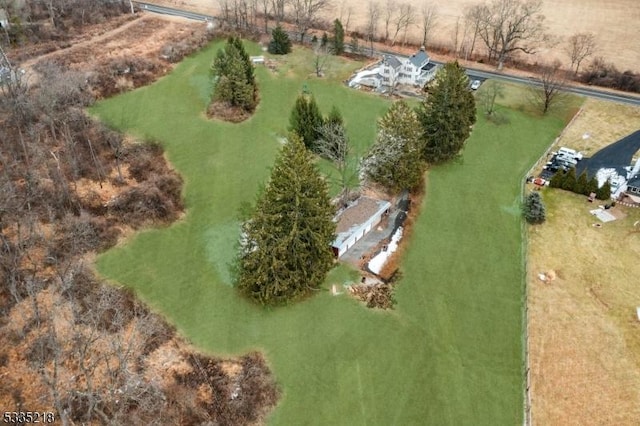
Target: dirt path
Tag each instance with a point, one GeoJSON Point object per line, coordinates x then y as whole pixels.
{"type": "Point", "coordinates": [28, 65]}
{"type": "Point", "coordinates": [136, 38]}
{"type": "Point", "coordinates": [34, 76]}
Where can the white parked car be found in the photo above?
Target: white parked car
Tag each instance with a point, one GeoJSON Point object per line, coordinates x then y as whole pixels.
{"type": "Point", "coordinates": [475, 84]}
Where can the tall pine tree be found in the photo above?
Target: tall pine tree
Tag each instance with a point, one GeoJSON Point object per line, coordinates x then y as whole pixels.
{"type": "Point", "coordinates": [236, 84]}
{"type": "Point", "coordinates": [338, 38]}
{"type": "Point", "coordinates": [286, 250]}
{"type": "Point", "coordinates": [394, 160]}
{"type": "Point", "coordinates": [280, 43]}
{"type": "Point", "coordinates": [306, 120]}
{"type": "Point", "coordinates": [447, 114]}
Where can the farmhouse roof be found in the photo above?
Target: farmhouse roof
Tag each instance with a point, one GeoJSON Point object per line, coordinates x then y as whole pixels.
{"type": "Point", "coordinates": [429, 66]}
{"type": "Point", "coordinates": [392, 61]}
{"type": "Point", "coordinates": [419, 59]}
{"type": "Point", "coordinates": [634, 182]}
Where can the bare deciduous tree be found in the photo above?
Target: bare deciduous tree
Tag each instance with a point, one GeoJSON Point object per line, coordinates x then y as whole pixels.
{"type": "Point", "coordinates": [552, 84]}
{"type": "Point", "coordinates": [387, 17]}
{"type": "Point", "coordinates": [373, 16]}
{"type": "Point", "coordinates": [320, 58]}
{"type": "Point", "coordinates": [473, 18]}
{"type": "Point", "coordinates": [403, 20]}
{"type": "Point", "coordinates": [345, 15]}
{"type": "Point", "coordinates": [579, 47]}
{"type": "Point", "coordinates": [333, 145]}
{"type": "Point", "coordinates": [278, 7]}
{"type": "Point", "coordinates": [510, 26]}
{"type": "Point", "coordinates": [305, 12]}
{"type": "Point", "coordinates": [264, 9]}
{"type": "Point", "coordinates": [491, 91]}
{"type": "Point", "coordinates": [428, 21]}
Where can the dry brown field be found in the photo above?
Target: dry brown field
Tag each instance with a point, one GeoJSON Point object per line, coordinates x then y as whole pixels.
{"type": "Point", "coordinates": [584, 333]}
{"type": "Point", "coordinates": [614, 22]}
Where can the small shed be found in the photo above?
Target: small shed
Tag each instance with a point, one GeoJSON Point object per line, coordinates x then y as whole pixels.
{"type": "Point", "coordinates": [356, 221]}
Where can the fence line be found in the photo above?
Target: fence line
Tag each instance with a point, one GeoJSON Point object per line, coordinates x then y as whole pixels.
{"type": "Point", "coordinates": [528, 417]}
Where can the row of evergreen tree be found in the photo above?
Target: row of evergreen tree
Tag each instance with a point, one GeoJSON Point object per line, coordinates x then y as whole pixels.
{"type": "Point", "coordinates": [568, 181]}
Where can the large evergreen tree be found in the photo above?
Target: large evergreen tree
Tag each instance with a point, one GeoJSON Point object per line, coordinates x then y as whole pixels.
{"type": "Point", "coordinates": [334, 117]}
{"type": "Point", "coordinates": [570, 180]}
{"type": "Point", "coordinates": [280, 43]}
{"type": "Point", "coordinates": [534, 209]}
{"type": "Point", "coordinates": [235, 83]}
{"type": "Point", "coordinates": [286, 245]}
{"type": "Point", "coordinates": [338, 38]}
{"type": "Point", "coordinates": [604, 192]}
{"type": "Point", "coordinates": [306, 120]}
{"type": "Point", "coordinates": [394, 160]}
{"type": "Point", "coordinates": [447, 114]}
{"type": "Point", "coordinates": [582, 184]}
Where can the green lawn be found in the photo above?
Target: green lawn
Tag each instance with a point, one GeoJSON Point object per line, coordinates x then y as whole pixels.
{"type": "Point", "coordinates": [451, 352]}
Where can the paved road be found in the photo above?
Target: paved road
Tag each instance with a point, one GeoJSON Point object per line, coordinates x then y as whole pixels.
{"type": "Point", "coordinates": [149, 7]}
{"type": "Point", "coordinates": [474, 74]}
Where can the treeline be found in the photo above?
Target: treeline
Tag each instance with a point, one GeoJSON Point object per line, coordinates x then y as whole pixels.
{"type": "Point", "coordinates": [494, 31]}
{"type": "Point", "coordinates": [605, 74]}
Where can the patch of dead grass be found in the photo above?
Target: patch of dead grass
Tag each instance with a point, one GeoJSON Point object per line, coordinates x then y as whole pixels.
{"type": "Point", "coordinates": [600, 123]}
{"type": "Point", "coordinates": [584, 336]}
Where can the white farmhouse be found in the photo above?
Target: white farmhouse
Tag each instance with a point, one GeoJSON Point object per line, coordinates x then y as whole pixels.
{"type": "Point", "coordinates": [416, 70]}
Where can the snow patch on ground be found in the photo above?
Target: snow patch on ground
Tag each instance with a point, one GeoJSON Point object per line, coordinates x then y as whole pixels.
{"type": "Point", "coordinates": [377, 263]}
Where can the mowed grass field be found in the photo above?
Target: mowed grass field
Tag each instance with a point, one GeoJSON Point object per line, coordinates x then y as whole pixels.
{"type": "Point", "coordinates": [451, 351]}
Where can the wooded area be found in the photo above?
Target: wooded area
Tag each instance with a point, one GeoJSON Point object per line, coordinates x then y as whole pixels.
{"type": "Point", "coordinates": [71, 187]}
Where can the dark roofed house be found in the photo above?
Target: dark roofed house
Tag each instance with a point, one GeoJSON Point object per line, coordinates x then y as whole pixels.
{"type": "Point", "coordinates": [419, 59]}
{"type": "Point", "coordinates": [392, 61]}
{"type": "Point", "coordinates": [633, 186]}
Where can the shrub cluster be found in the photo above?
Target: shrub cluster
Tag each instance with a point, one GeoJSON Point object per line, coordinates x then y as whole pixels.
{"type": "Point", "coordinates": [533, 209]}
{"type": "Point", "coordinates": [602, 73]}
